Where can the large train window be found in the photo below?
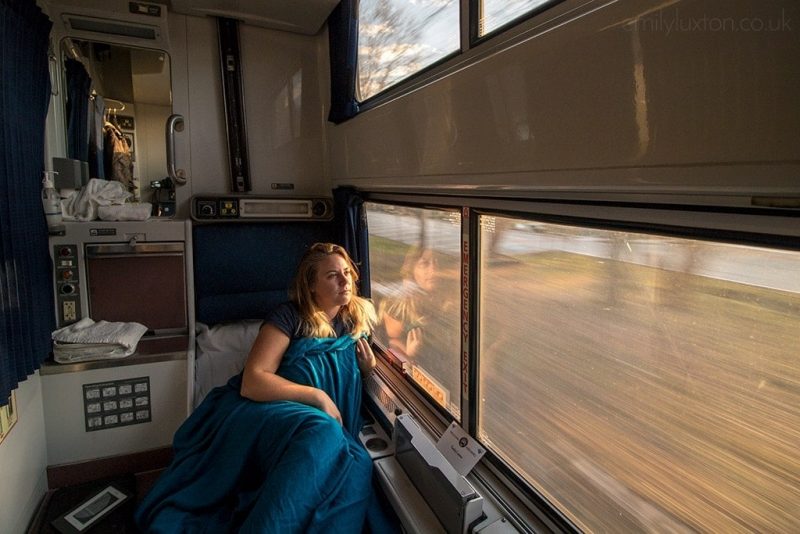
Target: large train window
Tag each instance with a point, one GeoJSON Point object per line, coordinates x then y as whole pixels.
{"type": "Point", "coordinates": [399, 39]}
{"type": "Point", "coordinates": [414, 277]}
{"type": "Point", "coordinates": [642, 382]}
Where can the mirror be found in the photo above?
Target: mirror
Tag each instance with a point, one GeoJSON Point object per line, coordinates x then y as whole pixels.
{"type": "Point", "coordinates": [117, 101]}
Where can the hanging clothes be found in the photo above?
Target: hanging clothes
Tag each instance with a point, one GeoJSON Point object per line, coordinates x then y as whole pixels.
{"type": "Point", "coordinates": [118, 159]}
{"type": "Point", "coordinates": [97, 108]}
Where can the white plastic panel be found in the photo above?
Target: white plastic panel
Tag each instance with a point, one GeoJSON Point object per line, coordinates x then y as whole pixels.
{"type": "Point", "coordinates": [67, 438]}
{"type": "Point", "coordinates": [412, 511]}
{"type": "Point", "coordinates": [24, 459]}
{"type": "Point", "coordinates": [282, 102]}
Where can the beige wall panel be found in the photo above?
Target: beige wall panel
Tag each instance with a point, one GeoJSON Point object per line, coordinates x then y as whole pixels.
{"type": "Point", "coordinates": [23, 454]}
{"type": "Point", "coordinates": [282, 110]}
{"type": "Point", "coordinates": [602, 103]}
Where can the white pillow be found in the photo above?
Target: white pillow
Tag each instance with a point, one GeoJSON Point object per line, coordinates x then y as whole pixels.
{"type": "Point", "coordinates": [221, 354]}
{"type": "Point", "coordinates": [227, 337]}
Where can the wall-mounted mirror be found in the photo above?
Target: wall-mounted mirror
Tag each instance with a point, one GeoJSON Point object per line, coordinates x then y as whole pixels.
{"type": "Point", "coordinates": [117, 100]}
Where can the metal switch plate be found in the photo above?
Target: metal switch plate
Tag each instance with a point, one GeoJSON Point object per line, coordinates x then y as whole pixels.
{"type": "Point", "coordinates": [117, 403]}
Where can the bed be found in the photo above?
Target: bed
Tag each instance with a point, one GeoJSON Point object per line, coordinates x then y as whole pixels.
{"type": "Point", "coordinates": [241, 271]}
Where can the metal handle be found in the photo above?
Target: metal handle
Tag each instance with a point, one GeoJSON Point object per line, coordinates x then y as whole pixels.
{"type": "Point", "coordinates": [125, 249]}
{"type": "Point", "coordinates": [174, 124]}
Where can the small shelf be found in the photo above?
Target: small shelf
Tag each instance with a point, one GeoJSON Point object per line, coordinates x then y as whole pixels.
{"type": "Point", "coordinates": [149, 350]}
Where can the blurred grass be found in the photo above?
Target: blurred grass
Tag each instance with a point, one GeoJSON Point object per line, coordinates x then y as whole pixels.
{"type": "Point", "coordinates": [640, 391]}
{"type": "Point", "coordinates": [386, 257]}
{"type": "Point", "coordinates": [637, 397]}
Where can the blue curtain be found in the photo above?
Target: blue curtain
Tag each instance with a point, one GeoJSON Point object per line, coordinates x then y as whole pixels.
{"type": "Point", "coordinates": [343, 38]}
{"type": "Point", "coordinates": [353, 232]}
{"type": "Point", "coordinates": [78, 86]}
{"type": "Point", "coordinates": [26, 297]}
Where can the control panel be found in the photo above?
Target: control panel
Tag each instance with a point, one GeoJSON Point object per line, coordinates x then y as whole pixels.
{"type": "Point", "coordinates": [68, 290]}
{"type": "Point", "coordinates": [253, 208]}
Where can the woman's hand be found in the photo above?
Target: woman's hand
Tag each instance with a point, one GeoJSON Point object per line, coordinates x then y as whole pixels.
{"type": "Point", "coordinates": [364, 356]}
{"type": "Point", "coordinates": [413, 342]}
{"type": "Point", "coordinates": [325, 404]}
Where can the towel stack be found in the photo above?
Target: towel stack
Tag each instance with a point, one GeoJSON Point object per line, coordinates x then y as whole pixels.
{"type": "Point", "coordinates": [106, 199]}
{"type": "Point", "coordinates": [88, 340]}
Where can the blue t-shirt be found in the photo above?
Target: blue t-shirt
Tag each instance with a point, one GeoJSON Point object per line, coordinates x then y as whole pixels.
{"type": "Point", "coordinates": [286, 318]}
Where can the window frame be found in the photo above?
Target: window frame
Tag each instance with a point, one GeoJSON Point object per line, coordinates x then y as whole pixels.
{"type": "Point", "coordinates": [762, 227]}
{"type": "Point", "coordinates": [726, 237]}
{"type": "Point", "coordinates": [385, 353]}
{"type": "Point", "coordinates": [474, 21]}
{"type": "Point", "coordinates": [432, 67]}
{"type": "Point", "coordinates": [473, 48]}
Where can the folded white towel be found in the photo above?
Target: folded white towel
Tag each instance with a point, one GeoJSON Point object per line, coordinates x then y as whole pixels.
{"type": "Point", "coordinates": [86, 352]}
{"type": "Point", "coordinates": [88, 340]}
{"type": "Point", "coordinates": [133, 211]}
{"type": "Point", "coordinates": [82, 205]}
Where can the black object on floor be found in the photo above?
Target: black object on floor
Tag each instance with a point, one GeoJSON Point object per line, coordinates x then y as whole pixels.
{"type": "Point", "coordinates": [64, 500]}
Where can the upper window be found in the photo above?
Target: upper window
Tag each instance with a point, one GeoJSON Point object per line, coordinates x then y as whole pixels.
{"type": "Point", "coordinates": [492, 14]}
{"type": "Point", "coordinates": [642, 382]}
{"type": "Point", "coordinates": [398, 39]}
{"type": "Point", "coordinates": [414, 276]}
{"type": "Point", "coordinates": [395, 40]}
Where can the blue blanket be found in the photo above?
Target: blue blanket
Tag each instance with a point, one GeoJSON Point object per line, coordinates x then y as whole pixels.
{"type": "Point", "coordinates": [276, 466]}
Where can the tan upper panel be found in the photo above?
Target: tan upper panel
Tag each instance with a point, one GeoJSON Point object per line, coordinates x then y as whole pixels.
{"type": "Point", "coordinates": [299, 16]}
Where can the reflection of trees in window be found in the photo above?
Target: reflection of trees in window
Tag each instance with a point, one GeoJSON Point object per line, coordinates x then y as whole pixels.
{"type": "Point", "coordinates": [388, 48]}
{"type": "Point", "coordinates": [392, 44]}
{"type": "Point", "coordinates": [493, 14]}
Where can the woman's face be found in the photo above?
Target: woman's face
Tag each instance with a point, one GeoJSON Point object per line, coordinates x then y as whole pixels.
{"type": "Point", "coordinates": [333, 285]}
{"type": "Point", "coordinates": [425, 271]}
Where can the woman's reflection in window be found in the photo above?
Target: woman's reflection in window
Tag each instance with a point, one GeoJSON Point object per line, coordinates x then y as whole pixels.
{"type": "Point", "coordinates": [404, 315]}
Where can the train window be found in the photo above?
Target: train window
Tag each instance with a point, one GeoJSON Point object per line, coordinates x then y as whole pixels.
{"type": "Point", "coordinates": [642, 382]}
{"type": "Point", "coordinates": [398, 39]}
{"type": "Point", "coordinates": [493, 14]}
{"type": "Point", "coordinates": [414, 276]}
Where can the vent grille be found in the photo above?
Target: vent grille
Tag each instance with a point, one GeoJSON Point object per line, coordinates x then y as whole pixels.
{"type": "Point", "coordinates": [107, 27]}
{"type": "Point", "coordinates": [378, 391]}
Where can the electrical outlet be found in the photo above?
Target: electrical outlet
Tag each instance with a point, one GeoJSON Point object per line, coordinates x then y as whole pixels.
{"type": "Point", "coordinates": [70, 313]}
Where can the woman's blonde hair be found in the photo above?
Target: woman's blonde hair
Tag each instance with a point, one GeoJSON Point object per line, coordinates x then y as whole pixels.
{"type": "Point", "coordinates": [359, 314]}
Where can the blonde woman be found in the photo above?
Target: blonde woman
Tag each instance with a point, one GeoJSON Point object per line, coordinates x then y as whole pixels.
{"type": "Point", "coordinates": [323, 304]}
{"type": "Point", "coordinates": [277, 449]}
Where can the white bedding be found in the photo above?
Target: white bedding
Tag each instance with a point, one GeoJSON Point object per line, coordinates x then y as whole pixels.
{"type": "Point", "coordinates": [221, 353]}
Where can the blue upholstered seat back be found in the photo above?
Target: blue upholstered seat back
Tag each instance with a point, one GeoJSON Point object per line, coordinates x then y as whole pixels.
{"type": "Point", "coordinates": [243, 270]}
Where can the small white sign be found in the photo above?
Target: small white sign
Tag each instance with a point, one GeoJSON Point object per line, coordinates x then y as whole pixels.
{"type": "Point", "coordinates": [460, 449]}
